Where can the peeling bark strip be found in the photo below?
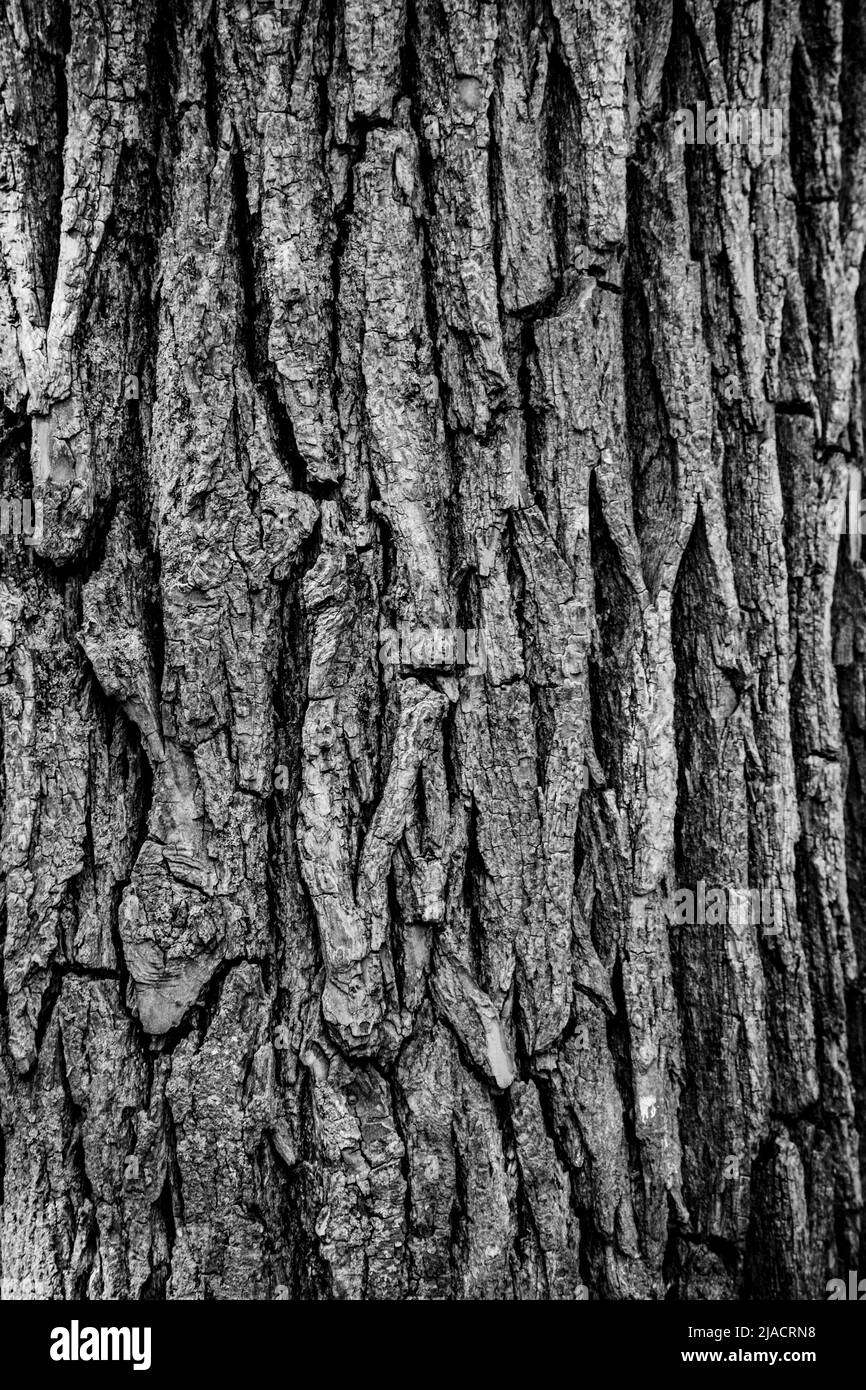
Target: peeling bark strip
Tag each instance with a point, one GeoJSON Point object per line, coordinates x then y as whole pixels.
{"type": "Point", "coordinates": [438, 443]}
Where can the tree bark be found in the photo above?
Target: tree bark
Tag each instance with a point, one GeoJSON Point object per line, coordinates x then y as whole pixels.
{"type": "Point", "coordinates": [438, 571]}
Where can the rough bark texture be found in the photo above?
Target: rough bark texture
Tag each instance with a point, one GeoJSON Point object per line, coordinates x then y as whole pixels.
{"type": "Point", "coordinates": [327, 969]}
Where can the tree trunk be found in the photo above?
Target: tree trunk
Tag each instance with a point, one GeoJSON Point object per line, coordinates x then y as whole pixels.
{"type": "Point", "coordinates": [434, 593]}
